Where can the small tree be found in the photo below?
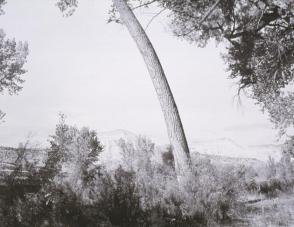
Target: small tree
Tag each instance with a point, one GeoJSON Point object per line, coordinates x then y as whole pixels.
{"type": "Point", "coordinates": [73, 157]}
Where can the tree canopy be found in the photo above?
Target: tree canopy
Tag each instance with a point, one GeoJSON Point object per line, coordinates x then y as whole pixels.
{"type": "Point", "coordinates": [12, 59]}
{"type": "Point", "coordinates": [259, 36]}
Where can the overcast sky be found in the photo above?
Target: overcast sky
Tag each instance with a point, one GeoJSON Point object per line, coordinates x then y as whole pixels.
{"type": "Point", "coordinates": [92, 72]}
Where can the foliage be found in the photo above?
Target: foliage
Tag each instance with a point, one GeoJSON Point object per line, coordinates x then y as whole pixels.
{"type": "Point", "coordinates": [288, 147]}
{"type": "Point", "coordinates": [260, 34]}
{"type": "Point", "coordinates": [2, 2]}
{"type": "Point", "coordinates": [168, 158]}
{"type": "Point", "coordinates": [280, 176]}
{"type": "Point", "coordinates": [2, 115]}
{"type": "Point", "coordinates": [59, 192]}
{"type": "Point", "coordinates": [280, 108]}
{"type": "Point", "coordinates": [118, 199]}
{"type": "Point", "coordinates": [140, 192]}
{"type": "Point", "coordinates": [16, 188]}
{"type": "Point", "coordinates": [67, 7]}
{"type": "Point", "coordinates": [259, 37]}
{"type": "Point", "coordinates": [260, 51]}
{"type": "Point", "coordinates": [209, 197]}
{"type": "Point", "coordinates": [73, 156]}
{"type": "Point", "coordinates": [12, 59]}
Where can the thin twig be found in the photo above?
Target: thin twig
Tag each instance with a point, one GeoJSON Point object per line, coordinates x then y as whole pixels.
{"type": "Point", "coordinates": [145, 4]}
{"type": "Point", "coordinates": [156, 15]}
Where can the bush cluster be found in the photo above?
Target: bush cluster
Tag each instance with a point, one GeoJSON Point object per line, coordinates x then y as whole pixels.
{"type": "Point", "coordinates": [73, 189]}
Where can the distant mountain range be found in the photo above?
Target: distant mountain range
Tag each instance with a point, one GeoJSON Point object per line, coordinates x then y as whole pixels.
{"type": "Point", "coordinates": [112, 153]}
{"type": "Point", "coordinates": [222, 149]}
{"type": "Point", "coordinates": [228, 147]}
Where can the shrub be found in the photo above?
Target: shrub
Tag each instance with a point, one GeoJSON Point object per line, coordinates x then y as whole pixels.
{"type": "Point", "coordinates": [118, 199]}
{"type": "Point", "coordinates": [168, 158]}
{"type": "Point", "coordinates": [209, 196]}
{"type": "Point", "coordinates": [75, 191]}
{"type": "Point", "coordinates": [280, 176]}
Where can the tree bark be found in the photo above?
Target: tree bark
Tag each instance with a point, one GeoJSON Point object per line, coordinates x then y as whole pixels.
{"type": "Point", "coordinates": [170, 111]}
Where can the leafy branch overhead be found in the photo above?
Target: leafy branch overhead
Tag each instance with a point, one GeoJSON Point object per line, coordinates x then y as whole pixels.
{"type": "Point", "coordinates": [260, 42]}
{"type": "Point", "coordinates": [259, 35]}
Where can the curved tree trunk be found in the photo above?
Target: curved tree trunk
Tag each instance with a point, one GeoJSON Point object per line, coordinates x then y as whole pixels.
{"type": "Point", "coordinates": [172, 118]}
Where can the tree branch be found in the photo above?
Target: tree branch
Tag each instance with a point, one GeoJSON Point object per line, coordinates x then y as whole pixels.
{"type": "Point", "coordinates": [209, 12]}
{"type": "Point", "coordinates": [156, 15]}
{"type": "Point", "coordinates": [206, 15]}
{"type": "Point", "coordinates": [145, 4]}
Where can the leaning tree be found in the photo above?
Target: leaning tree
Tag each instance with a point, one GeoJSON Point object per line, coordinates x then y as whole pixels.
{"type": "Point", "coordinates": [169, 108]}
{"type": "Point", "coordinates": [168, 105]}
{"type": "Point", "coordinates": [259, 36]}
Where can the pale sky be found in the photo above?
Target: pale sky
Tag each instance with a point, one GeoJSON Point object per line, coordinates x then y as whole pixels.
{"type": "Point", "coordinates": [92, 72]}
